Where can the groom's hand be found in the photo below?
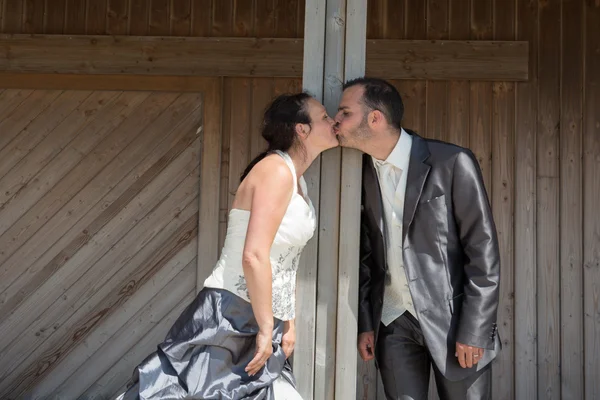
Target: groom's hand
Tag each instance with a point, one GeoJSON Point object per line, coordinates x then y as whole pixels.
{"type": "Point", "coordinates": [366, 345]}
{"type": "Point", "coordinates": [468, 355]}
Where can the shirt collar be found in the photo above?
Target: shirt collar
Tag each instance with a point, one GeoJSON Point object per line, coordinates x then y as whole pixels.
{"type": "Point", "coordinates": [400, 155]}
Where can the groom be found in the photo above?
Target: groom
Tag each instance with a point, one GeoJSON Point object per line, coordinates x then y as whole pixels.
{"type": "Point", "coordinates": [430, 264]}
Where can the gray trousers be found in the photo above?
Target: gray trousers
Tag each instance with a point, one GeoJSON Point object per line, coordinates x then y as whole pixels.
{"type": "Point", "coordinates": [404, 363]}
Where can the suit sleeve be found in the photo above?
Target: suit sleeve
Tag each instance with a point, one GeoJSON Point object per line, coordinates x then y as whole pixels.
{"type": "Point", "coordinates": [365, 316]}
{"type": "Point", "coordinates": [477, 231]}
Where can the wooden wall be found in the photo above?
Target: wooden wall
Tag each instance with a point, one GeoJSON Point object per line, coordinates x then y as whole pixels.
{"type": "Point", "coordinates": [95, 313]}
{"type": "Point", "coordinates": [98, 231]}
{"type": "Point", "coordinates": [538, 143]}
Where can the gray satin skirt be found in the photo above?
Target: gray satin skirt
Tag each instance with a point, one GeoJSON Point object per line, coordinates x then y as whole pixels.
{"type": "Point", "coordinates": [205, 353]}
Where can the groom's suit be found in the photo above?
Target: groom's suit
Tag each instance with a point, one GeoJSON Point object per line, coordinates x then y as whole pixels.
{"type": "Point", "coordinates": [450, 254]}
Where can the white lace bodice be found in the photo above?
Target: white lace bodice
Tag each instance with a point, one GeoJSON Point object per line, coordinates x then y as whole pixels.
{"type": "Point", "coordinates": [297, 227]}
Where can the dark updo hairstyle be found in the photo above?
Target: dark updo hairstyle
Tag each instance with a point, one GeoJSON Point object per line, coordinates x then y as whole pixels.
{"type": "Point", "coordinates": [279, 124]}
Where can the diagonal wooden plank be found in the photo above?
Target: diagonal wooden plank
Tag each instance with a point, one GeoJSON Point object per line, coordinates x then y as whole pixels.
{"type": "Point", "coordinates": [49, 256]}
{"type": "Point", "coordinates": [112, 235]}
{"type": "Point", "coordinates": [21, 116]}
{"type": "Point", "coordinates": [25, 169]}
{"type": "Point", "coordinates": [63, 378]}
{"type": "Point", "coordinates": [115, 293]}
{"type": "Point", "coordinates": [26, 186]}
{"type": "Point", "coordinates": [130, 122]}
{"type": "Point", "coordinates": [104, 177]}
{"type": "Point", "coordinates": [112, 383]}
{"type": "Point", "coordinates": [108, 361]}
{"type": "Point", "coordinates": [52, 353]}
{"type": "Point", "coordinates": [39, 128]}
{"type": "Point", "coordinates": [75, 121]}
{"type": "Point", "coordinates": [10, 99]}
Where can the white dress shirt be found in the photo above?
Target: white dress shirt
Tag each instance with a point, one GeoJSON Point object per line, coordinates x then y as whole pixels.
{"type": "Point", "coordinates": [392, 174]}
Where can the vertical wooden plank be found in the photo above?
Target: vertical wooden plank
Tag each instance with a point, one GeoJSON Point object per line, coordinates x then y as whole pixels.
{"type": "Point", "coordinates": [75, 17]}
{"type": "Point", "coordinates": [202, 18]}
{"type": "Point", "coordinates": [436, 104]}
{"type": "Point", "coordinates": [224, 176]}
{"type": "Point", "coordinates": [346, 353]}
{"type": "Point", "coordinates": [2, 3]}
{"type": "Point", "coordinates": [394, 20]}
{"type": "Point", "coordinates": [300, 19]}
{"type": "Point", "coordinates": [503, 139]}
{"type": "Point", "coordinates": [222, 17]}
{"type": "Point", "coordinates": [591, 173]}
{"type": "Point", "coordinates": [438, 28]}
{"type": "Point", "coordinates": [458, 91]}
{"type": "Point", "coordinates": [414, 93]}
{"type": "Point", "coordinates": [571, 222]}
{"type": "Point", "coordinates": [139, 16]}
{"type": "Point", "coordinates": [286, 15]}
{"type": "Point", "coordinates": [96, 16]}
{"type": "Point", "coordinates": [548, 243]}
{"type": "Point", "coordinates": [307, 359]}
{"type": "Point", "coordinates": [262, 89]}
{"type": "Point", "coordinates": [525, 212]}
{"type": "Point", "coordinates": [329, 208]}
{"type": "Point", "coordinates": [395, 26]}
{"type": "Point", "coordinates": [436, 93]}
{"type": "Point", "coordinates": [222, 13]}
{"type": "Point", "coordinates": [181, 14]}
{"type": "Point", "coordinates": [375, 19]}
{"type": "Point", "coordinates": [265, 18]}
{"type": "Point", "coordinates": [239, 135]}
{"type": "Point", "coordinates": [481, 95]}
{"type": "Point", "coordinates": [243, 18]}
{"type": "Point", "coordinates": [118, 17]}
{"type": "Point", "coordinates": [208, 240]}
{"type": "Point", "coordinates": [33, 16]}
{"type": "Point", "coordinates": [160, 18]}
{"type": "Point", "coordinates": [12, 16]}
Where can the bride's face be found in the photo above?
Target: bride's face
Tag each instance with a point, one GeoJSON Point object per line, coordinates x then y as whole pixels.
{"type": "Point", "coordinates": [321, 136]}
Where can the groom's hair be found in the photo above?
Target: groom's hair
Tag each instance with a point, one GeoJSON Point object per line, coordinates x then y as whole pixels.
{"type": "Point", "coordinates": [382, 96]}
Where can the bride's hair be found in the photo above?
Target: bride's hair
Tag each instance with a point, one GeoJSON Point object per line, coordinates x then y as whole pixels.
{"type": "Point", "coordinates": [279, 124]}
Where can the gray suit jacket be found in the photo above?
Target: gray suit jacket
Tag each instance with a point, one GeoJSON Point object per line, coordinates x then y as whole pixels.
{"type": "Point", "coordinates": [450, 252]}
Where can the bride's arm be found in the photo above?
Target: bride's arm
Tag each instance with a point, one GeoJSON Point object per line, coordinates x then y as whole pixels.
{"type": "Point", "coordinates": [271, 193]}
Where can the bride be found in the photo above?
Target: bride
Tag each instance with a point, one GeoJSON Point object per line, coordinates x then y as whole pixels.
{"type": "Point", "coordinates": [233, 341]}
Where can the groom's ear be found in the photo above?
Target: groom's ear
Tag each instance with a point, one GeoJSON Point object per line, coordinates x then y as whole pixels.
{"type": "Point", "coordinates": [375, 118]}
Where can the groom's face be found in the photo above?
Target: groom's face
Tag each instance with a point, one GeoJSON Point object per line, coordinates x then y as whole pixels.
{"type": "Point", "coordinates": [351, 125]}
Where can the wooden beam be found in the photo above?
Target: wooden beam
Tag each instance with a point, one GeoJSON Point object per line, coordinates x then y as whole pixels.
{"type": "Point", "coordinates": [448, 60]}
{"type": "Point", "coordinates": [151, 55]}
{"type": "Point", "coordinates": [15, 80]}
{"type": "Point", "coordinates": [197, 56]}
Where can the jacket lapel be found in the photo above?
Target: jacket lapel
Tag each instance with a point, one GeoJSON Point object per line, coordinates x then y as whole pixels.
{"type": "Point", "coordinates": [372, 191]}
{"type": "Point", "coordinates": [417, 174]}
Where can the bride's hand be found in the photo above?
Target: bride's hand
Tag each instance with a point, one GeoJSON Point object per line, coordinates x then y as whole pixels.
{"type": "Point", "coordinates": [288, 341]}
{"type": "Point", "coordinates": [264, 349]}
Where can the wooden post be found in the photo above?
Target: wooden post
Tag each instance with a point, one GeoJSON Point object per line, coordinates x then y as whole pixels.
{"type": "Point", "coordinates": [312, 82]}
{"type": "Point", "coordinates": [334, 51]}
{"type": "Point", "coordinates": [329, 220]}
{"type": "Point", "coordinates": [347, 318]}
